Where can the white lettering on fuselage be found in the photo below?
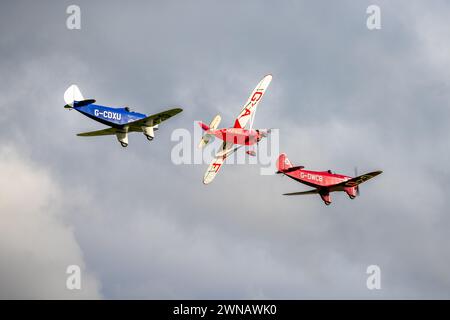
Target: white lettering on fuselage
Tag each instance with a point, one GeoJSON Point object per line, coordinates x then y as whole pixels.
{"type": "Point", "coordinates": [310, 176]}
{"type": "Point", "coordinates": [108, 114]}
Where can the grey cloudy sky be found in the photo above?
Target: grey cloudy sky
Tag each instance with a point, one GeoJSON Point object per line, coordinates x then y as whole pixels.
{"type": "Point", "coordinates": [141, 227]}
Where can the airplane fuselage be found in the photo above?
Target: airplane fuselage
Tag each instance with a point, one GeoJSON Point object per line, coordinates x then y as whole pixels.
{"type": "Point", "coordinates": [238, 136]}
{"type": "Point", "coordinates": [324, 181]}
{"type": "Point", "coordinates": [317, 178]}
{"type": "Point", "coordinates": [113, 117]}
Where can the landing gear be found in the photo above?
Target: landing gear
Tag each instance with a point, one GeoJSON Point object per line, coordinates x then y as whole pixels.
{"type": "Point", "coordinates": [149, 132]}
{"type": "Point", "coordinates": [325, 195]}
{"type": "Point", "coordinates": [122, 137]}
{"type": "Point", "coordinates": [352, 192]}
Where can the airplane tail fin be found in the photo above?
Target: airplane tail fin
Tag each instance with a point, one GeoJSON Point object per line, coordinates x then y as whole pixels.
{"type": "Point", "coordinates": [204, 126]}
{"type": "Point", "coordinates": [212, 126]}
{"type": "Point", "coordinates": [283, 163]}
{"type": "Point", "coordinates": [73, 98]}
{"type": "Point", "coordinates": [71, 95]}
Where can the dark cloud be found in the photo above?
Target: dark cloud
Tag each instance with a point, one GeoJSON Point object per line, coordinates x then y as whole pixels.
{"type": "Point", "coordinates": [342, 96]}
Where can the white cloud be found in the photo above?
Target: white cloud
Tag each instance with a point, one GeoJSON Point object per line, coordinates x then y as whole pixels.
{"type": "Point", "coordinates": [36, 245]}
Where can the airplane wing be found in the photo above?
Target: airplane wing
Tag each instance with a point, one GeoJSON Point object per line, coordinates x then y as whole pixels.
{"type": "Point", "coordinates": [248, 112]}
{"type": "Point", "coordinates": [358, 180]}
{"type": "Point", "coordinates": [153, 120]}
{"type": "Point", "coordinates": [135, 125]}
{"type": "Point", "coordinates": [104, 132]}
{"type": "Point", "coordinates": [314, 191]}
{"type": "Point", "coordinates": [215, 165]}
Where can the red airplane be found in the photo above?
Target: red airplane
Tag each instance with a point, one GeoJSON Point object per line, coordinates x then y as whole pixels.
{"type": "Point", "coordinates": [237, 136]}
{"type": "Point", "coordinates": [323, 182]}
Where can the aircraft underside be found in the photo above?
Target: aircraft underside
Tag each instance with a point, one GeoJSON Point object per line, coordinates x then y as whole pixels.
{"type": "Point", "coordinates": [326, 197]}
{"type": "Point", "coordinates": [122, 134]}
{"type": "Point", "coordinates": [237, 136]}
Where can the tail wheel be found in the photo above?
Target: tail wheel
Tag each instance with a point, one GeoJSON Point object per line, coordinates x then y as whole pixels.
{"type": "Point", "coordinates": [327, 203]}
{"type": "Point", "coordinates": [123, 144]}
{"type": "Point", "coordinates": [149, 138]}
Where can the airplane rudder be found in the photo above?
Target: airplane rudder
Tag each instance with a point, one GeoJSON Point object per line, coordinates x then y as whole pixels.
{"type": "Point", "coordinates": [283, 162]}
{"type": "Point", "coordinates": [73, 93]}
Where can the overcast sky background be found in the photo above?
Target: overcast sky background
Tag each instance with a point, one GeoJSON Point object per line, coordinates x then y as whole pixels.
{"type": "Point", "coordinates": [141, 227]}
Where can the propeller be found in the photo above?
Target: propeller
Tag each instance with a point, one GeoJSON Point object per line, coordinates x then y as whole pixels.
{"type": "Point", "coordinates": [357, 187]}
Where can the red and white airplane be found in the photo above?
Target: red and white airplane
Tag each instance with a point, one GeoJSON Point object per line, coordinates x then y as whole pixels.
{"type": "Point", "coordinates": [237, 136]}
{"type": "Point", "coordinates": [323, 182]}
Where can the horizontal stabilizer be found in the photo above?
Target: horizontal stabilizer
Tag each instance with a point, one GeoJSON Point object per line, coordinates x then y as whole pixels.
{"type": "Point", "coordinates": [77, 104]}
{"type": "Point", "coordinates": [212, 126]}
{"type": "Point", "coordinates": [314, 191]}
{"type": "Point", "coordinates": [293, 169]}
{"type": "Point", "coordinates": [83, 103]}
{"type": "Point", "coordinates": [205, 140]}
{"type": "Point", "coordinates": [215, 122]}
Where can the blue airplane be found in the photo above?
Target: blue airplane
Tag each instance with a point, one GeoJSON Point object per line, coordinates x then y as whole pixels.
{"type": "Point", "coordinates": [120, 120]}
